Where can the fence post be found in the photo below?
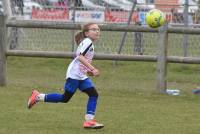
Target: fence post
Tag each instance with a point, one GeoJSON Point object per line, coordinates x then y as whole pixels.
{"type": "Point", "coordinates": [162, 59]}
{"type": "Point", "coordinates": [138, 42]}
{"type": "Point", "coordinates": [128, 23]}
{"type": "Point", "coordinates": [74, 21]}
{"type": "Point", "coordinates": [2, 51]}
{"type": "Point", "coordinates": [185, 36]}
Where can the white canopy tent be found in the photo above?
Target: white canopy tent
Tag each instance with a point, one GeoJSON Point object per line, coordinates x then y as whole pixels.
{"type": "Point", "coordinates": [143, 5]}
{"type": "Point", "coordinates": [126, 2]}
{"type": "Point", "coordinates": [89, 4]}
{"type": "Point", "coordinates": [116, 3]}
{"type": "Point", "coordinates": [193, 6]}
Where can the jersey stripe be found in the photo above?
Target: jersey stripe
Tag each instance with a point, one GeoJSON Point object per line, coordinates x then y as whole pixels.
{"type": "Point", "coordinates": [86, 49]}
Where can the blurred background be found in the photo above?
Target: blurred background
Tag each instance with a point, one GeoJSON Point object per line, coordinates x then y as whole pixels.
{"type": "Point", "coordinates": [104, 11]}
{"type": "Point", "coordinates": [178, 13]}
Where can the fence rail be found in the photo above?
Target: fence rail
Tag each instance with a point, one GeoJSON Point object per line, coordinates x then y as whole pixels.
{"type": "Point", "coordinates": [104, 27]}
{"type": "Point", "coordinates": [117, 57]}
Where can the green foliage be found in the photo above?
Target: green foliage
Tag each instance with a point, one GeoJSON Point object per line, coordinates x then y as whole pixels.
{"type": "Point", "coordinates": [128, 102]}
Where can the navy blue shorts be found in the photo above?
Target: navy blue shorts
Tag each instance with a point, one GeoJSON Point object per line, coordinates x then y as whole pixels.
{"type": "Point", "coordinates": [72, 85]}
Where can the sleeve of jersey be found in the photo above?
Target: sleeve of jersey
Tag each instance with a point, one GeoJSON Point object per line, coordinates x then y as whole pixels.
{"type": "Point", "coordinates": [87, 43]}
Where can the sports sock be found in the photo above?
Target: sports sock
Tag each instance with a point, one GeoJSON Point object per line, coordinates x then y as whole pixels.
{"type": "Point", "coordinates": [40, 97]}
{"type": "Point", "coordinates": [91, 105]}
{"type": "Point", "coordinates": [89, 117]}
{"type": "Point", "coordinates": [54, 97]}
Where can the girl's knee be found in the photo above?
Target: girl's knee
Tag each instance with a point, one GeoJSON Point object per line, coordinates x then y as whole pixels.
{"type": "Point", "coordinates": [66, 99]}
{"type": "Point", "coordinates": [91, 92]}
{"type": "Point", "coordinates": [67, 96]}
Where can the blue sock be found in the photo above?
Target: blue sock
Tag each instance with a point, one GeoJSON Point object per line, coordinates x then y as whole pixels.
{"type": "Point", "coordinates": [91, 105]}
{"type": "Point", "coordinates": [54, 97]}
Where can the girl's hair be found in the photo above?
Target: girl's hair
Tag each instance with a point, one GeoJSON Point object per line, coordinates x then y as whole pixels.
{"type": "Point", "coordinates": [81, 35]}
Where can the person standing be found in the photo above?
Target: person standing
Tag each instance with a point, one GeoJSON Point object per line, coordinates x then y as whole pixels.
{"type": "Point", "coordinates": [77, 77]}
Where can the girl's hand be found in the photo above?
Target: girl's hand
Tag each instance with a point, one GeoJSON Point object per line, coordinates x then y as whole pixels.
{"type": "Point", "coordinates": [90, 73]}
{"type": "Point", "coordinates": [94, 72]}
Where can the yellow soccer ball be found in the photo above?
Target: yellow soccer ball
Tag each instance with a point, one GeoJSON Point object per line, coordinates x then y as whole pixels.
{"type": "Point", "coordinates": [155, 18]}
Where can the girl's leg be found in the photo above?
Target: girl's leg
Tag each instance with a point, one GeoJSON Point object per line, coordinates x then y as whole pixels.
{"type": "Point", "coordinates": [70, 88]}
{"type": "Point", "coordinates": [91, 108]}
{"type": "Point", "coordinates": [92, 102]}
{"type": "Point", "coordinates": [55, 97]}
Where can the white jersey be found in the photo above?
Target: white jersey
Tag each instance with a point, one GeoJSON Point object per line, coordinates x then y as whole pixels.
{"type": "Point", "coordinates": [76, 69]}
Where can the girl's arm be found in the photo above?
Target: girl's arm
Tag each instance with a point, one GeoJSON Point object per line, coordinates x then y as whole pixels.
{"type": "Point", "coordinates": [84, 61]}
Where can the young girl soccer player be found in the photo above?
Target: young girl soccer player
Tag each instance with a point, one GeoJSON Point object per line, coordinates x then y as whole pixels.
{"type": "Point", "coordinates": [76, 76]}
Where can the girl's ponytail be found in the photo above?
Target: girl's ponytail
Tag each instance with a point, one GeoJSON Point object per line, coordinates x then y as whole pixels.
{"type": "Point", "coordinates": [79, 37]}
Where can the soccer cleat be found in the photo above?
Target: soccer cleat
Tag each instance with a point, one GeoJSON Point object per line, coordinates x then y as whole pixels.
{"type": "Point", "coordinates": [33, 99]}
{"type": "Point", "coordinates": [92, 124]}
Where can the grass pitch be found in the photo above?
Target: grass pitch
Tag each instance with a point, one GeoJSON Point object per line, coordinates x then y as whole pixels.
{"type": "Point", "coordinates": [128, 102]}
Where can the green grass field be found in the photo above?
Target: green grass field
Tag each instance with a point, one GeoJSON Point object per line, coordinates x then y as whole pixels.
{"type": "Point", "coordinates": [128, 102]}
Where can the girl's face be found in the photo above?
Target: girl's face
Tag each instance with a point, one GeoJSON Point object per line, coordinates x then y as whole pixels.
{"type": "Point", "coordinates": [93, 32]}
